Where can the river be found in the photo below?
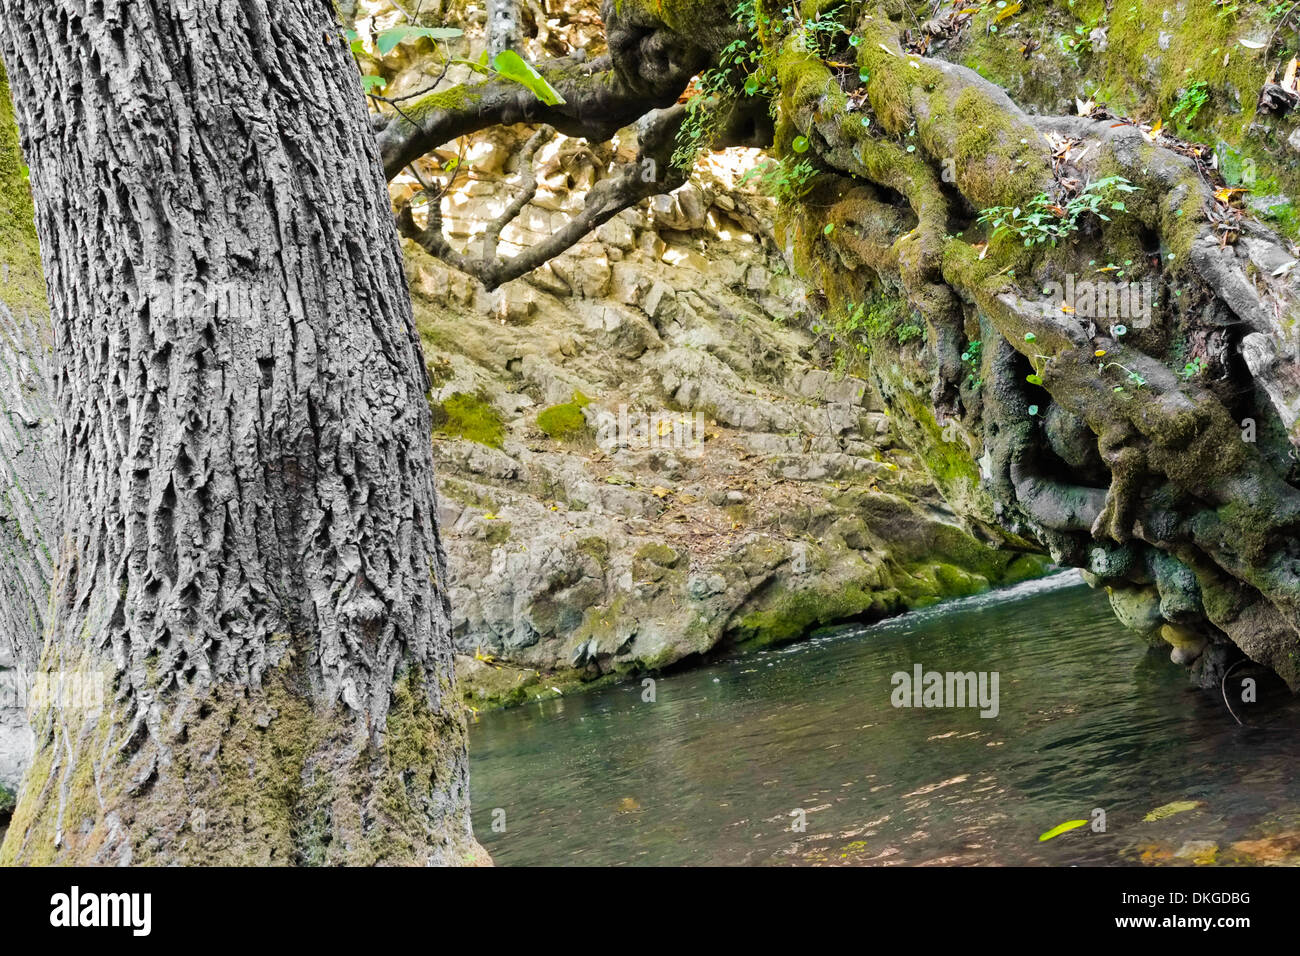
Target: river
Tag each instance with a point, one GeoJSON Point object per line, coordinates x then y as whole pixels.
{"type": "Point", "coordinates": [796, 755]}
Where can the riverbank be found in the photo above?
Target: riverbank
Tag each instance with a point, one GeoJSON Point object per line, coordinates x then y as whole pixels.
{"type": "Point", "coordinates": [646, 454]}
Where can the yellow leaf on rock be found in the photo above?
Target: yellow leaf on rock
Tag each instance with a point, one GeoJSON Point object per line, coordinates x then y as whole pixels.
{"type": "Point", "coordinates": [1010, 10]}
{"type": "Point", "coordinates": [1169, 809]}
{"type": "Point", "coordinates": [1065, 827]}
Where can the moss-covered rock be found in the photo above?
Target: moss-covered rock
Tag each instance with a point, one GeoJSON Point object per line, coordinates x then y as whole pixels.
{"type": "Point", "coordinates": [462, 415]}
{"type": "Point", "coordinates": [565, 422]}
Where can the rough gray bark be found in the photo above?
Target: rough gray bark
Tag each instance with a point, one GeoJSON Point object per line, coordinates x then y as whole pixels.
{"type": "Point", "coordinates": [27, 511]}
{"type": "Point", "coordinates": [250, 563]}
{"type": "Point", "coordinates": [28, 485]}
{"type": "Point", "coordinates": [27, 476]}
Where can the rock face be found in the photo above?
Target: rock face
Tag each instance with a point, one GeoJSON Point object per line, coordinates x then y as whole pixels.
{"type": "Point", "coordinates": [643, 456]}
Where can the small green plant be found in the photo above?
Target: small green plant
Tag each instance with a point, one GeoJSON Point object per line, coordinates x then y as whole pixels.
{"type": "Point", "coordinates": [1194, 368]}
{"type": "Point", "coordinates": [1190, 102]}
{"type": "Point", "coordinates": [1045, 220]}
{"type": "Point", "coordinates": [971, 358]}
{"type": "Point", "coordinates": [507, 64]}
{"type": "Point", "coordinates": [820, 33]}
{"type": "Point", "coordinates": [1077, 44]}
{"type": "Point", "coordinates": [865, 323]}
{"type": "Point", "coordinates": [882, 318]}
{"type": "Point", "coordinates": [786, 180]}
{"type": "Point", "coordinates": [1132, 377]}
{"type": "Point", "coordinates": [741, 71]}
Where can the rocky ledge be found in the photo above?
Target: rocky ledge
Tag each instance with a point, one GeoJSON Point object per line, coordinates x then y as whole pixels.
{"type": "Point", "coordinates": [645, 455]}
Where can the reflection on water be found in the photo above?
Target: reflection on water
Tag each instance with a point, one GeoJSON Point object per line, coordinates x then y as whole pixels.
{"type": "Point", "coordinates": [713, 769]}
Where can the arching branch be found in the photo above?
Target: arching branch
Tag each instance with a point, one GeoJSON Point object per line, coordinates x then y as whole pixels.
{"type": "Point", "coordinates": [649, 174]}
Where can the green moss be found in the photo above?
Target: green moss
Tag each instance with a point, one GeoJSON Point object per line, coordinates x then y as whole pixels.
{"type": "Point", "coordinates": [497, 688]}
{"type": "Point", "coordinates": [922, 585]}
{"type": "Point", "coordinates": [466, 494]}
{"type": "Point", "coordinates": [467, 416]}
{"type": "Point", "coordinates": [258, 777]}
{"type": "Point", "coordinates": [791, 614]}
{"type": "Point", "coordinates": [596, 548]}
{"type": "Point", "coordinates": [455, 98]}
{"type": "Point", "coordinates": [497, 533]}
{"type": "Point", "coordinates": [1156, 55]}
{"type": "Point", "coordinates": [24, 288]}
{"type": "Point", "coordinates": [658, 553]}
{"type": "Point", "coordinates": [565, 422]}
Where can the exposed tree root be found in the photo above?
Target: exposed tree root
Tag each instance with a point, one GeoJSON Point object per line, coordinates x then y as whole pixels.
{"type": "Point", "coordinates": [1087, 435]}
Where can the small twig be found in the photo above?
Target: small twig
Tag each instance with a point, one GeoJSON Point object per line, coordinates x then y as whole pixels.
{"type": "Point", "coordinates": [1223, 687]}
{"type": "Point", "coordinates": [1281, 23]}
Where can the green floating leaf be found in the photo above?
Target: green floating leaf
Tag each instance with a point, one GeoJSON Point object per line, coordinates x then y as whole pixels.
{"type": "Point", "coordinates": [514, 67]}
{"type": "Point", "coordinates": [1169, 809]}
{"type": "Point", "coordinates": [387, 41]}
{"type": "Point", "coordinates": [1065, 827]}
{"type": "Point", "coordinates": [1034, 379]}
{"type": "Point", "coordinates": [800, 144]}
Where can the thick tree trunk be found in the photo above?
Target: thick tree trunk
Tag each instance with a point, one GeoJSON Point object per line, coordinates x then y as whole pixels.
{"type": "Point", "coordinates": [28, 477]}
{"type": "Point", "coordinates": [249, 565]}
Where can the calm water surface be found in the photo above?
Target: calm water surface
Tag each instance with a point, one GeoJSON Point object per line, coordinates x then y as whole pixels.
{"type": "Point", "coordinates": [710, 772]}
